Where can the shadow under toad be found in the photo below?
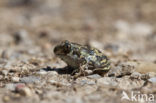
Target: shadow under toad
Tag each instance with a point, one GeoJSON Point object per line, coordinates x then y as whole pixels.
{"type": "Point", "coordinates": [64, 70]}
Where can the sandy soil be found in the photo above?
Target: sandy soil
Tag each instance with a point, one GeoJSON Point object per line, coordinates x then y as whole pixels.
{"type": "Point", "coordinates": [124, 30]}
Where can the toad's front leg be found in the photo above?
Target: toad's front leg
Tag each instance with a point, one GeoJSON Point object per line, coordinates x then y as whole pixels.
{"type": "Point", "coordinates": [83, 71]}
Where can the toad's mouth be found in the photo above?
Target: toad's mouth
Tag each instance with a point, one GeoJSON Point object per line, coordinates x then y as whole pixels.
{"type": "Point", "coordinates": [60, 51]}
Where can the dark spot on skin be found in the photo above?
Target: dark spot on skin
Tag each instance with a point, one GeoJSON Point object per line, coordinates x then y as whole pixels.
{"type": "Point", "coordinates": [104, 57]}
{"type": "Point", "coordinates": [91, 52]}
{"type": "Point", "coordinates": [99, 58]}
{"type": "Point", "coordinates": [91, 64]}
{"type": "Point", "coordinates": [88, 51]}
{"type": "Point", "coordinates": [76, 53]}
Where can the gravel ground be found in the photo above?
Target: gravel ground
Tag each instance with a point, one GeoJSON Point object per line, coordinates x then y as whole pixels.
{"type": "Point", "coordinates": [124, 30]}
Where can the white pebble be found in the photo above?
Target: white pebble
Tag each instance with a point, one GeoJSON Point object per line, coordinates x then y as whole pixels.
{"type": "Point", "coordinates": [153, 80]}
{"type": "Point", "coordinates": [5, 72]}
{"type": "Point", "coordinates": [42, 72]}
{"type": "Point", "coordinates": [15, 79]}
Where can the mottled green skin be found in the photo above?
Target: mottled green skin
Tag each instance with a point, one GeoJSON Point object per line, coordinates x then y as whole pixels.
{"type": "Point", "coordinates": [76, 55]}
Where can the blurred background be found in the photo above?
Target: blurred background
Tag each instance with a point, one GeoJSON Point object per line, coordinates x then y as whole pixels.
{"type": "Point", "coordinates": [122, 26]}
{"type": "Point", "coordinates": [124, 30]}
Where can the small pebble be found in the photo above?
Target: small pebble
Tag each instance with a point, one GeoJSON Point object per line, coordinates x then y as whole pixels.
{"type": "Point", "coordinates": [23, 90]}
{"type": "Point", "coordinates": [39, 91]}
{"type": "Point", "coordinates": [135, 75]}
{"type": "Point", "coordinates": [53, 81]}
{"type": "Point", "coordinates": [56, 83]}
{"type": "Point", "coordinates": [42, 72]}
{"type": "Point", "coordinates": [20, 86]}
{"type": "Point", "coordinates": [107, 81]}
{"type": "Point", "coordinates": [151, 74]}
{"type": "Point", "coordinates": [30, 79]}
{"type": "Point", "coordinates": [153, 80]}
{"type": "Point", "coordinates": [5, 72]}
{"type": "Point", "coordinates": [145, 77]}
{"type": "Point", "coordinates": [121, 70]}
{"type": "Point", "coordinates": [74, 100]}
{"type": "Point", "coordinates": [91, 83]}
{"type": "Point", "coordinates": [15, 79]}
{"type": "Point", "coordinates": [10, 86]}
{"type": "Point", "coordinates": [53, 73]}
{"type": "Point", "coordinates": [6, 98]}
{"type": "Point", "coordinates": [88, 71]}
{"type": "Point", "coordinates": [83, 82]}
{"type": "Point", "coordinates": [94, 76]}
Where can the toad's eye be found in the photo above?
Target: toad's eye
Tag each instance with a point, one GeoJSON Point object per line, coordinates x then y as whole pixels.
{"type": "Point", "coordinates": [67, 47]}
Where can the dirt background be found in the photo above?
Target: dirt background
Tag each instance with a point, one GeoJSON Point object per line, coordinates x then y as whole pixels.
{"type": "Point", "coordinates": [124, 30]}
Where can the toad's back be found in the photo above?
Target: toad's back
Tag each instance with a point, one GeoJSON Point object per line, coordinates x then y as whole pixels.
{"type": "Point", "coordinates": [94, 57]}
{"type": "Point", "coordinates": [75, 55]}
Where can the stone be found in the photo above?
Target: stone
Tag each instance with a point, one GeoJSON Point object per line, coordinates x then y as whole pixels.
{"type": "Point", "coordinates": [30, 79]}
{"type": "Point", "coordinates": [10, 86]}
{"type": "Point", "coordinates": [52, 81]}
{"type": "Point", "coordinates": [6, 98]}
{"type": "Point", "coordinates": [128, 84]}
{"type": "Point", "coordinates": [53, 73]}
{"type": "Point", "coordinates": [23, 90]}
{"type": "Point", "coordinates": [5, 72]}
{"type": "Point", "coordinates": [74, 100]}
{"type": "Point", "coordinates": [89, 82]}
{"type": "Point", "coordinates": [94, 76]}
{"type": "Point", "coordinates": [56, 83]}
{"type": "Point", "coordinates": [121, 70]}
{"type": "Point", "coordinates": [15, 79]}
{"type": "Point", "coordinates": [153, 80]}
{"type": "Point", "coordinates": [135, 75]}
{"type": "Point", "coordinates": [107, 81]}
{"type": "Point", "coordinates": [42, 72]}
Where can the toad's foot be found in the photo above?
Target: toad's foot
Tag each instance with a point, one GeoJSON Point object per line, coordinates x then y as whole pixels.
{"type": "Point", "coordinates": [83, 71]}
